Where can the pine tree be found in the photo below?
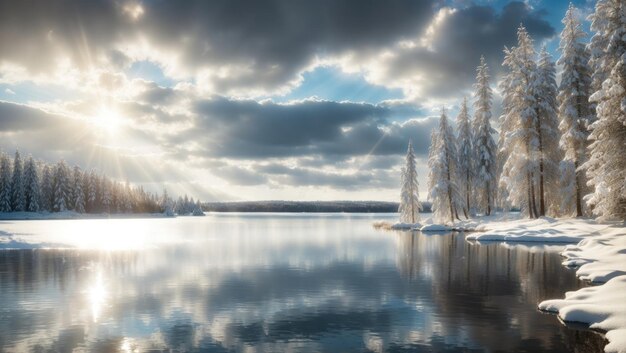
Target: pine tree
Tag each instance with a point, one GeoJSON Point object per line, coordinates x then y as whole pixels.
{"type": "Point", "coordinates": [410, 205]}
{"type": "Point", "coordinates": [575, 113]}
{"type": "Point", "coordinates": [444, 193]}
{"type": "Point", "coordinates": [17, 185]}
{"type": "Point", "coordinates": [465, 152]}
{"type": "Point", "coordinates": [61, 188]}
{"type": "Point", "coordinates": [606, 167]}
{"type": "Point", "coordinates": [485, 148]}
{"type": "Point", "coordinates": [77, 191]}
{"type": "Point", "coordinates": [47, 191]}
{"type": "Point", "coordinates": [518, 133]}
{"type": "Point", "coordinates": [5, 183]}
{"type": "Point", "coordinates": [31, 186]}
{"type": "Point", "coordinates": [92, 192]}
{"type": "Point", "coordinates": [547, 126]}
{"type": "Point", "coordinates": [107, 197]}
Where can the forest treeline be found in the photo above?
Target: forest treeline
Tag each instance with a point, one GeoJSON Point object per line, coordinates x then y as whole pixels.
{"type": "Point", "coordinates": [34, 186]}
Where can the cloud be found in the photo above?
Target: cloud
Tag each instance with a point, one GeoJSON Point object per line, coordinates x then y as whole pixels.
{"type": "Point", "coordinates": [441, 63]}
{"type": "Point", "coordinates": [246, 129]}
{"type": "Point", "coordinates": [226, 46]}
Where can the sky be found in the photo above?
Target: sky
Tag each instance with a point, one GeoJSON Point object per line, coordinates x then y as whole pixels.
{"type": "Point", "coordinates": [250, 99]}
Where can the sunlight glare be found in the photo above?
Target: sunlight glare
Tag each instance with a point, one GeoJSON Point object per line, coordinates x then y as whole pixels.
{"type": "Point", "coordinates": [97, 296]}
{"type": "Point", "coordinates": [108, 120]}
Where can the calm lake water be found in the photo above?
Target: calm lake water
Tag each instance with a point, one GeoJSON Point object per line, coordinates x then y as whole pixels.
{"type": "Point", "coordinates": [274, 283]}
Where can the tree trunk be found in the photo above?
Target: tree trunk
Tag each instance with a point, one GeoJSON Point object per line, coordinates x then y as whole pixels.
{"type": "Point", "coordinates": [579, 206]}
{"type": "Point", "coordinates": [542, 207]}
{"type": "Point", "coordinates": [412, 208]}
{"type": "Point", "coordinates": [467, 194]}
{"type": "Point", "coordinates": [533, 202]}
{"type": "Point", "coordinates": [488, 187]}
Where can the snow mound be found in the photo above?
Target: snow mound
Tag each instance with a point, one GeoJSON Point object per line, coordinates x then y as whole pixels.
{"type": "Point", "coordinates": [436, 228]}
{"type": "Point", "coordinates": [396, 226]}
{"type": "Point", "coordinates": [544, 229]}
{"type": "Point", "coordinates": [602, 307]}
{"type": "Point", "coordinates": [599, 258]}
{"type": "Point", "coordinates": [405, 226]}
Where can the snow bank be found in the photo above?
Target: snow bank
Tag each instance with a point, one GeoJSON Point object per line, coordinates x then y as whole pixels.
{"type": "Point", "coordinates": [602, 308]}
{"type": "Point", "coordinates": [436, 228]}
{"type": "Point", "coordinates": [600, 255]}
{"type": "Point", "coordinates": [544, 229]}
{"type": "Point", "coordinates": [600, 258]}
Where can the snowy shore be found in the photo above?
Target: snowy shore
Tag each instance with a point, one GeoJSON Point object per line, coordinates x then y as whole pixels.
{"type": "Point", "coordinates": [597, 250]}
{"type": "Point", "coordinates": [600, 258]}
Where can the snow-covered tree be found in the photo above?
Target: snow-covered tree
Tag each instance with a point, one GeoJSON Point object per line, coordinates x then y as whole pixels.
{"type": "Point", "coordinates": [606, 167]}
{"type": "Point", "coordinates": [444, 193]}
{"type": "Point", "coordinates": [31, 186]}
{"type": "Point", "coordinates": [548, 135]}
{"type": "Point", "coordinates": [61, 188]}
{"type": "Point", "coordinates": [485, 149]}
{"type": "Point", "coordinates": [575, 112]}
{"type": "Point", "coordinates": [107, 197]}
{"type": "Point", "coordinates": [17, 185]}
{"type": "Point", "coordinates": [409, 195]}
{"type": "Point", "coordinates": [92, 191]}
{"type": "Point", "coordinates": [78, 195]}
{"type": "Point", "coordinates": [5, 183]}
{"type": "Point", "coordinates": [465, 156]}
{"type": "Point", "coordinates": [518, 132]}
{"type": "Point", "coordinates": [47, 191]}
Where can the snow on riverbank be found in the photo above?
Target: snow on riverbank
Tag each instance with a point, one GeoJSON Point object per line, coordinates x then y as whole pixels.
{"type": "Point", "coordinates": [544, 230]}
{"type": "Point", "coordinates": [600, 255]}
{"type": "Point", "coordinates": [601, 258]}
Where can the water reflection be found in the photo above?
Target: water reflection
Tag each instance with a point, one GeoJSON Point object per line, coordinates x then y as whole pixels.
{"type": "Point", "coordinates": [264, 283]}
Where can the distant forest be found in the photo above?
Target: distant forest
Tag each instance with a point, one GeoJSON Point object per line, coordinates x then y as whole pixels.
{"type": "Point", "coordinates": [306, 206]}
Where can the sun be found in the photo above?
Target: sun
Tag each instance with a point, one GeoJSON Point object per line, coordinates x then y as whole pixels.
{"type": "Point", "coordinates": [108, 120]}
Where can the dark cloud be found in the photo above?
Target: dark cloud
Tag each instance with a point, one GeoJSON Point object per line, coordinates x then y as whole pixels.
{"type": "Point", "coordinates": [246, 129]}
{"type": "Point", "coordinates": [263, 44]}
{"type": "Point", "coordinates": [447, 65]}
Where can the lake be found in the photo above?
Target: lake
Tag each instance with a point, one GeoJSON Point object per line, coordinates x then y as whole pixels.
{"type": "Point", "coordinates": [275, 283]}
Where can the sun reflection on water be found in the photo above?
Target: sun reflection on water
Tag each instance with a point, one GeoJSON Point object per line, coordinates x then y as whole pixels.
{"type": "Point", "coordinates": [97, 295]}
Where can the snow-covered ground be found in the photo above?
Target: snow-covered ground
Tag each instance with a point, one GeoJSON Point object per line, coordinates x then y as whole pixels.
{"type": "Point", "coordinates": [601, 258]}
{"type": "Point", "coordinates": [598, 250]}
{"type": "Point", "coordinates": [600, 255]}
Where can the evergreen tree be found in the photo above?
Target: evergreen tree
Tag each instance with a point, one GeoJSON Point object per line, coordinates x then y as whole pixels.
{"type": "Point", "coordinates": [519, 137]}
{"type": "Point", "coordinates": [47, 190]}
{"type": "Point", "coordinates": [107, 198]}
{"type": "Point", "coordinates": [575, 112]}
{"type": "Point", "coordinates": [17, 185]}
{"type": "Point", "coordinates": [61, 188]}
{"type": "Point", "coordinates": [485, 149]}
{"type": "Point", "coordinates": [465, 157]}
{"type": "Point", "coordinates": [442, 160]}
{"type": "Point", "coordinates": [78, 194]}
{"type": "Point", "coordinates": [606, 167]}
{"type": "Point", "coordinates": [31, 186]}
{"type": "Point", "coordinates": [547, 126]}
{"type": "Point", "coordinates": [409, 197]}
{"type": "Point", "coordinates": [5, 183]}
{"type": "Point", "coordinates": [92, 192]}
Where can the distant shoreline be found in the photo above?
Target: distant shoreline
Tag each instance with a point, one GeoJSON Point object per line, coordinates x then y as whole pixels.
{"type": "Point", "coordinates": [305, 206]}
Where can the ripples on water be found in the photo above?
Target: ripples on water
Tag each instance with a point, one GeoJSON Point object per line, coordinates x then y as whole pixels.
{"type": "Point", "coordinates": [275, 282]}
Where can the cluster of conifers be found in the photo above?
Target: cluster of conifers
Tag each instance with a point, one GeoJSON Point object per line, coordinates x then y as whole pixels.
{"type": "Point", "coordinates": [561, 149]}
{"type": "Point", "coordinates": [34, 186]}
